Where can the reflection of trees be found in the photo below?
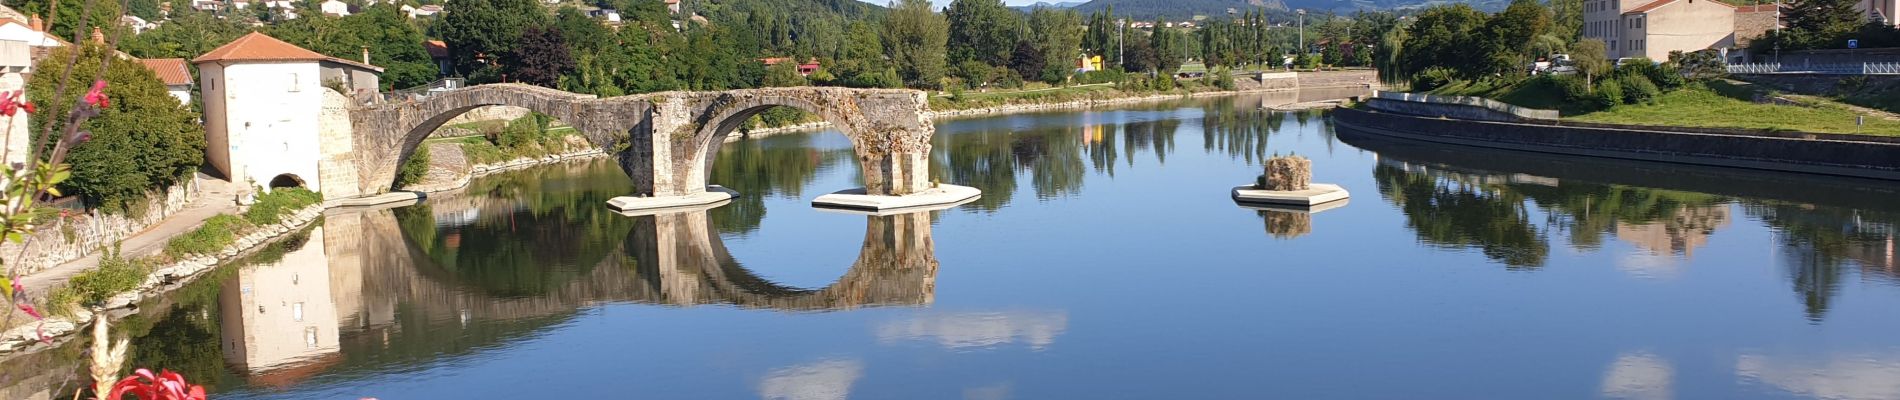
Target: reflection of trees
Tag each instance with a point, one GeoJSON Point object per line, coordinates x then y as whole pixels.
{"type": "Point", "coordinates": [771, 166]}
{"type": "Point", "coordinates": [1239, 132]}
{"type": "Point", "coordinates": [978, 159]}
{"type": "Point", "coordinates": [1590, 211]}
{"type": "Point", "coordinates": [531, 230]}
{"type": "Point", "coordinates": [1447, 213]}
{"type": "Point", "coordinates": [1818, 244]}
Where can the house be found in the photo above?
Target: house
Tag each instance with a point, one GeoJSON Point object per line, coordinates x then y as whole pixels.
{"type": "Point", "coordinates": [206, 5]}
{"type": "Point", "coordinates": [607, 15]}
{"type": "Point", "coordinates": [138, 25]}
{"type": "Point", "coordinates": [1882, 11]}
{"type": "Point", "coordinates": [439, 52]}
{"type": "Point", "coordinates": [673, 6]}
{"type": "Point", "coordinates": [335, 8]}
{"type": "Point", "coordinates": [1653, 28]}
{"type": "Point", "coordinates": [33, 32]}
{"type": "Point", "coordinates": [262, 98]}
{"type": "Point", "coordinates": [176, 76]}
{"type": "Point", "coordinates": [425, 11]}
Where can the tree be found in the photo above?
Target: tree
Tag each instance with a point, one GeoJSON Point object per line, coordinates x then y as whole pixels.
{"type": "Point", "coordinates": [65, 21]}
{"type": "Point", "coordinates": [541, 58]}
{"type": "Point", "coordinates": [982, 30]}
{"type": "Point", "coordinates": [1444, 36]}
{"type": "Point", "coordinates": [186, 36]}
{"type": "Point", "coordinates": [915, 39]}
{"type": "Point", "coordinates": [478, 31]}
{"type": "Point", "coordinates": [393, 42]}
{"type": "Point", "coordinates": [1591, 58]}
{"type": "Point", "coordinates": [1567, 20]}
{"type": "Point", "coordinates": [1058, 34]}
{"type": "Point", "coordinates": [1825, 18]}
{"type": "Point", "coordinates": [1027, 61]}
{"type": "Point", "coordinates": [144, 139]}
{"type": "Point", "coordinates": [147, 9]}
{"type": "Point", "coordinates": [783, 74]}
{"type": "Point", "coordinates": [1139, 57]}
{"type": "Point", "coordinates": [1168, 47]}
{"type": "Point", "coordinates": [861, 63]}
{"type": "Point", "coordinates": [1509, 37]}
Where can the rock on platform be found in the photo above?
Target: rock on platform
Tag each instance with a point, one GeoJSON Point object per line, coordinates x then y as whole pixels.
{"type": "Point", "coordinates": [1318, 193]}
{"type": "Point", "coordinates": [713, 194]}
{"type": "Point", "coordinates": [937, 198]}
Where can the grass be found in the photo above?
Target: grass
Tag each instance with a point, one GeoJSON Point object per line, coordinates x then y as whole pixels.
{"type": "Point", "coordinates": [115, 275]}
{"type": "Point", "coordinates": [217, 233]}
{"type": "Point", "coordinates": [1719, 105]}
{"type": "Point", "coordinates": [222, 230]}
{"type": "Point", "coordinates": [271, 208]}
{"type": "Point", "coordinates": [1715, 104]}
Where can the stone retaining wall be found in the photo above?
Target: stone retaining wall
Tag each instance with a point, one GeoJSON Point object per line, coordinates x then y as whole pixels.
{"type": "Point", "coordinates": [79, 235]}
{"type": "Point", "coordinates": [1865, 159]}
{"type": "Point", "coordinates": [1817, 84]}
{"type": "Point", "coordinates": [1461, 107]}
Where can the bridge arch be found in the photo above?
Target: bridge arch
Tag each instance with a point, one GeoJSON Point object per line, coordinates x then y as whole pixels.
{"type": "Point", "coordinates": [888, 130]}
{"type": "Point", "coordinates": [387, 135]}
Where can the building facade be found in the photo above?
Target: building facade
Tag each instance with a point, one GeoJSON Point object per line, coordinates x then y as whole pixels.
{"type": "Point", "coordinates": [261, 97]}
{"type": "Point", "coordinates": [1652, 29]}
{"type": "Point", "coordinates": [1882, 11]}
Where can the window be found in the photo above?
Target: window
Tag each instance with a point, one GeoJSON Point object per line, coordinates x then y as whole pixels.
{"type": "Point", "coordinates": [293, 82]}
{"type": "Point", "coordinates": [296, 312]}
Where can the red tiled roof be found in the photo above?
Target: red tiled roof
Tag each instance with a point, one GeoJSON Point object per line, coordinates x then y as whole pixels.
{"type": "Point", "coordinates": [436, 48]}
{"type": "Point", "coordinates": [1757, 8]}
{"type": "Point", "coordinates": [258, 46]}
{"type": "Point", "coordinates": [170, 70]}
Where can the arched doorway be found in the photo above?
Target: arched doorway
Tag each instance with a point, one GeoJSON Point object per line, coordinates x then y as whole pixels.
{"type": "Point", "coordinates": [286, 181]}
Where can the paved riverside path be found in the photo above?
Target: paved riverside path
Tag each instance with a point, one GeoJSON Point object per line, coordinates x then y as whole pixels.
{"type": "Point", "coordinates": [215, 196]}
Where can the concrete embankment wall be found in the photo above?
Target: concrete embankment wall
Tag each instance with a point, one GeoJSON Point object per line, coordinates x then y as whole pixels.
{"type": "Point", "coordinates": [1820, 84]}
{"type": "Point", "coordinates": [1461, 107]}
{"type": "Point", "coordinates": [1837, 155]}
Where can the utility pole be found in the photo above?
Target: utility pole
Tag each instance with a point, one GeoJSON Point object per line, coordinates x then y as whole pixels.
{"type": "Point", "coordinates": [1303, 32]}
{"type": "Point", "coordinates": [1121, 42]}
{"type": "Point", "coordinates": [1778, 36]}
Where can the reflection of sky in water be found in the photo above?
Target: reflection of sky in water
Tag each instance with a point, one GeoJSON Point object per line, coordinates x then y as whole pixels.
{"type": "Point", "coordinates": [976, 330]}
{"type": "Point", "coordinates": [1862, 376]}
{"type": "Point", "coordinates": [822, 380]}
{"type": "Point", "coordinates": [1639, 376]}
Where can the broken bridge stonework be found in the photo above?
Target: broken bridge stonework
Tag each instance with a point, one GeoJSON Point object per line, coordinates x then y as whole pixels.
{"type": "Point", "coordinates": [665, 141]}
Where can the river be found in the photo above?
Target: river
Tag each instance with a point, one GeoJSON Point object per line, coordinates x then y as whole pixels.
{"type": "Point", "coordinates": [1105, 259]}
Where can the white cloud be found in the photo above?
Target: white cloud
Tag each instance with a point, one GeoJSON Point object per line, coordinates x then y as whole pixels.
{"type": "Point", "coordinates": [1844, 377]}
{"type": "Point", "coordinates": [978, 329]}
{"type": "Point", "coordinates": [823, 380]}
{"type": "Point", "coordinates": [1639, 375]}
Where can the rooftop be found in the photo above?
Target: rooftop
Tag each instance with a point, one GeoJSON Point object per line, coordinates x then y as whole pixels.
{"type": "Point", "coordinates": [258, 46]}
{"type": "Point", "coordinates": [170, 70]}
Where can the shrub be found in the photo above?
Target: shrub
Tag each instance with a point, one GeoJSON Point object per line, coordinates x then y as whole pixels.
{"type": "Point", "coordinates": [1574, 89]}
{"type": "Point", "coordinates": [143, 140]}
{"type": "Point", "coordinates": [87, 289]}
{"type": "Point", "coordinates": [1637, 89]}
{"type": "Point", "coordinates": [216, 234]}
{"type": "Point", "coordinates": [1432, 78]}
{"type": "Point", "coordinates": [1103, 76]}
{"type": "Point", "coordinates": [413, 170]}
{"type": "Point", "coordinates": [1609, 93]}
{"type": "Point", "coordinates": [1699, 65]}
{"type": "Point", "coordinates": [1223, 78]}
{"type": "Point", "coordinates": [271, 208]}
{"type": "Point", "coordinates": [520, 133]}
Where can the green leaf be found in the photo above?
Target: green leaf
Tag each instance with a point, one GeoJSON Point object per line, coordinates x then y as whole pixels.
{"type": "Point", "coordinates": [6, 286]}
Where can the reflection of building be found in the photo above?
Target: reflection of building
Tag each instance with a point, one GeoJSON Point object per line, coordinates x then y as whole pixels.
{"type": "Point", "coordinates": [280, 314]}
{"type": "Point", "coordinates": [1681, 233]}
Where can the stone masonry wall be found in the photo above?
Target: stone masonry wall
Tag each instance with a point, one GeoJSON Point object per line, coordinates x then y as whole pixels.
{"type": "Point", "coordinates": [336, 164]}
{"type": "Point", "coordinates": [75, 236]}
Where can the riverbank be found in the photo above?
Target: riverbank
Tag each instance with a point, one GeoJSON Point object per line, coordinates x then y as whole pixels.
{"type": "Point", "coordinates": [1872, 157]}
{"type": "Point", "coordinates": [1715, 103]}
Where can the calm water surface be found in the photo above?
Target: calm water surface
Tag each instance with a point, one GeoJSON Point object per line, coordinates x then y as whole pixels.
{"type": "Point", "coordinates": [1104, 260]}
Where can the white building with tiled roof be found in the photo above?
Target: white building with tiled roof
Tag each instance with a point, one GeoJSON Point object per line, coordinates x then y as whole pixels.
{"type": "Point", "coordinates": [263, 101]}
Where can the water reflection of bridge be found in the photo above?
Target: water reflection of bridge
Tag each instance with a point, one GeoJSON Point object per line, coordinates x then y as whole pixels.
{"type": "Point", "coordinates": [361, 291]}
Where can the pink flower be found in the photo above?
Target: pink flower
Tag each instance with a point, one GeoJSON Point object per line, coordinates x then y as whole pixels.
{"type": "Point", "coordinates": [97, 96]}
{"type": "Point", "coordinates": [12, 102]}
{"type": "Point", "coordinates": [28, 308]}
{"type": "Point", "coordinates": [166, 385]}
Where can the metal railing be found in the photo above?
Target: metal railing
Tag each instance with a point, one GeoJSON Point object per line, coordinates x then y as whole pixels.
{"type": "Point", "coordinates": [1872, 68]}
{"type": "Point", "coordinates": [422, 92]}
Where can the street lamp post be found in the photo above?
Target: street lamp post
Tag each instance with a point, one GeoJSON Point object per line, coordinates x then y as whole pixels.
{"type": "Point", "coordinates": [1302, 13]}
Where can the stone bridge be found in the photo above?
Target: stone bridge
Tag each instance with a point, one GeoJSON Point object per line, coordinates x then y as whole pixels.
{"type": "Point", "coordinates": [665, 141]}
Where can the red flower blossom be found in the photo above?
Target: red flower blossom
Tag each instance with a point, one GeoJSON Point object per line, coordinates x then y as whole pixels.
{"type": "Point", "coordinates": [97, 96]}
{"type": "Point", "coordinates": [166, 385]}
{"type": "Point", "coordinates": [12, 102]}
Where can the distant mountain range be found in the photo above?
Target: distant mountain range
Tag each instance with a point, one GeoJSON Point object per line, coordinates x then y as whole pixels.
{"type": "Point", "coordinates": [1045, 4]}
